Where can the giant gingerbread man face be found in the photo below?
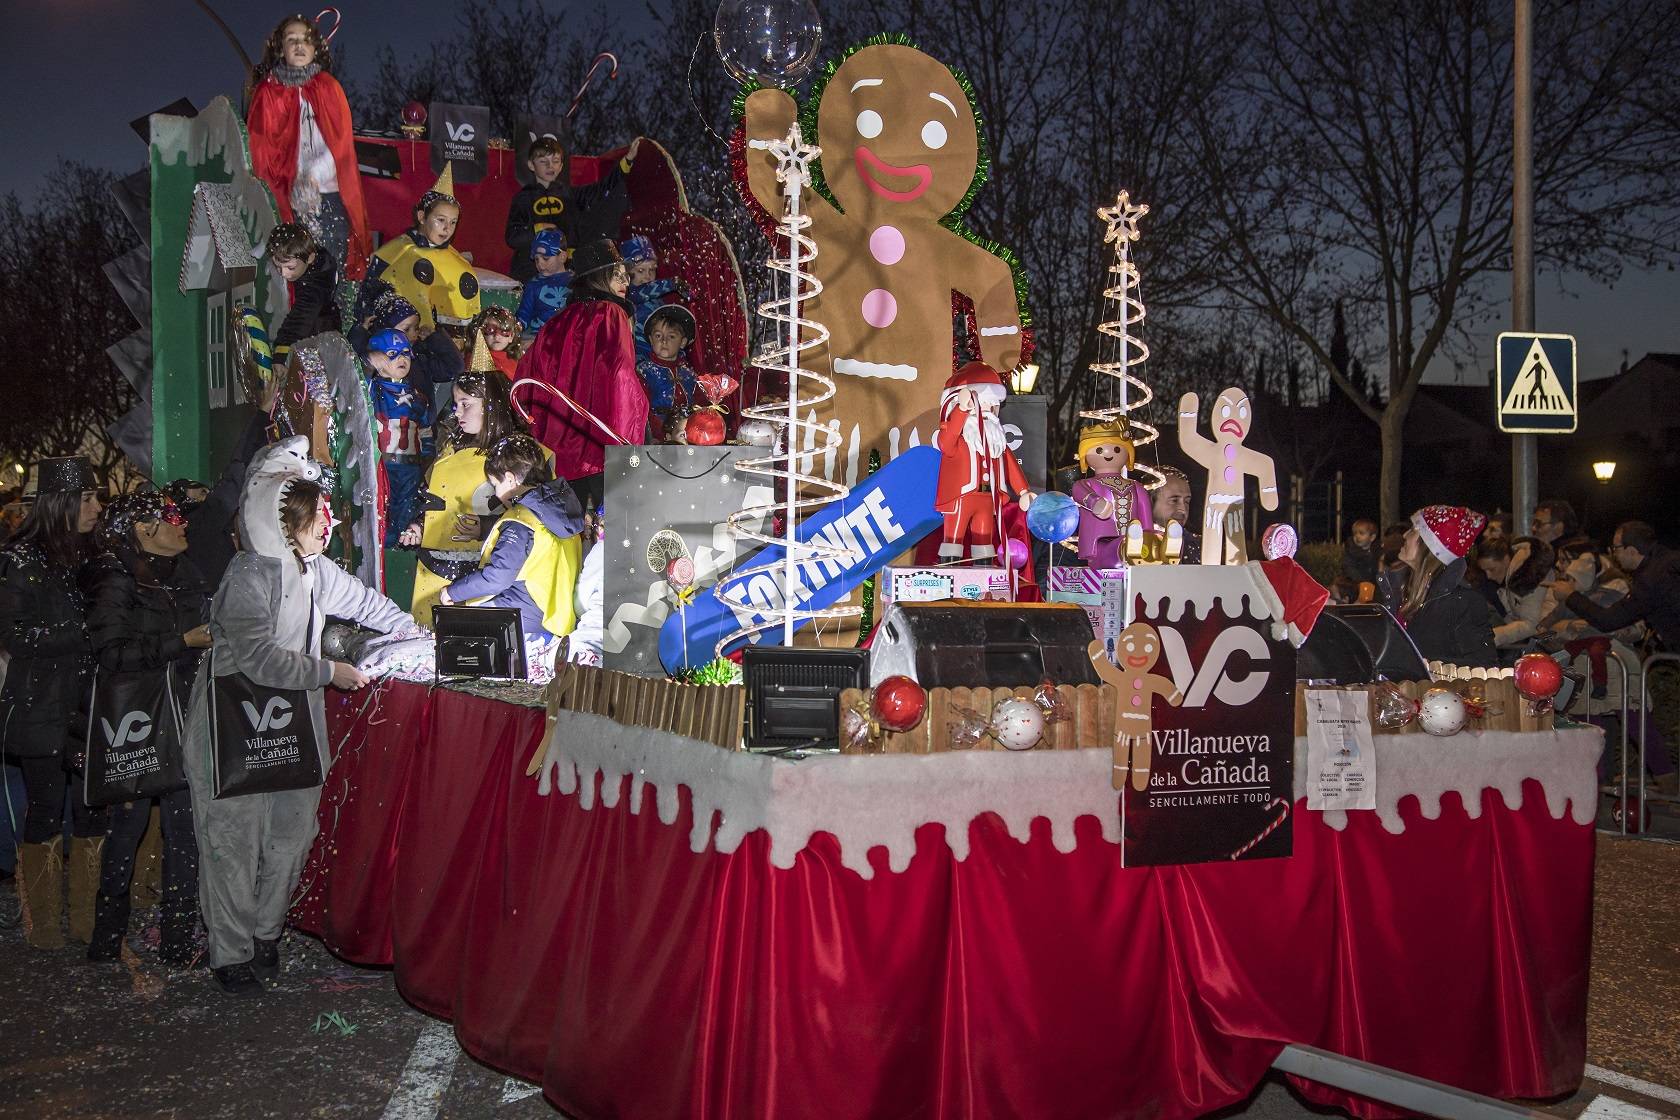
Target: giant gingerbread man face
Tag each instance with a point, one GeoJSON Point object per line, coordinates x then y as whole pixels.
{"type": "Point", "coordinates": [1138, 648]}
{"type": "Point", "coordinates": [897, 135]}
{"type": "Point", "coordinates": [900, 149]}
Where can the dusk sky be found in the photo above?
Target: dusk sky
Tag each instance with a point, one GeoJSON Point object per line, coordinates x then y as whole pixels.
{"type": "Point", "coordinates": [83, 69]}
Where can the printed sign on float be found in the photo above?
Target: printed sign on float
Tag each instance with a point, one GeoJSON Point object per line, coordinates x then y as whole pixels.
{"type": "Point", "coordinates": [1534, 383]}
{"type": "Point", "coordinates": [1221, 763]}
{"type": "Point", "coordinates": [884, 515]}
{"type": "Point", "coordinates": [460, 135]}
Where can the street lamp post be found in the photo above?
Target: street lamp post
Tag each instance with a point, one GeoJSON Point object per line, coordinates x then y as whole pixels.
{"type": "Point", "coordinates": [1525, 455]}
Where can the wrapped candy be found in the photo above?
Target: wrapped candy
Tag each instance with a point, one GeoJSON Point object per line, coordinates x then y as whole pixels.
{"type": "Point", "coordinates": [1017, 724]}
{"type": "Point", "coordinates": [897, 703]}
{"type": "Point", "coordinates": [1052, 703]}
{"type": "Point", "coordinates": [856, 733]}
{"type": "Point", "coordinates": [1394, 709]}
{"type": "Point", "coordinates": [1442, 712]}
{"type": "Point", "coordinates": [965, 727]}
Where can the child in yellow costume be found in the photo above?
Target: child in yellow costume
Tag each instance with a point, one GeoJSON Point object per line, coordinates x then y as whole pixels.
{"type": "Point", "coordinates": [459, 505]}
{"type": "Point", "coordinates": [532, 556]}
{"type": "Point", "coordinates": [424, 266]}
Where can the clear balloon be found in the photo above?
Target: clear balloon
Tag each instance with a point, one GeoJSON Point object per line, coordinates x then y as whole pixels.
{"type": "Point", "coordinates": [773, 42]}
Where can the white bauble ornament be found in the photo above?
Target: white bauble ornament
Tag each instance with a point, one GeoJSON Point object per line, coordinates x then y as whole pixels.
{"type": "Point", "coordinates": [1441, 712]}
{"type": "Point", "coordinates": [1017, 723]}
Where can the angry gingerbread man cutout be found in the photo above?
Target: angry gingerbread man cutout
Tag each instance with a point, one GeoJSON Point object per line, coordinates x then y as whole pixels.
{"type": "Point", "coordinates": [900, 148]}
{"type": "Point", "coordinates": [1228, 463]}
{"type": "Point", "coordinates": [1135, 654]}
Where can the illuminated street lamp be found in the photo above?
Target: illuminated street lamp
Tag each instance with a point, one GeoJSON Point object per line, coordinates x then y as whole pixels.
{"type": "Point", "coordinates": [1604, 469]}
{"type": "Point", "coordinates": [1024, 378]}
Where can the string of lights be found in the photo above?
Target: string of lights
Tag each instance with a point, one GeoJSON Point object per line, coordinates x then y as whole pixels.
{"type": "Point", "coordinates": [1128, 352]}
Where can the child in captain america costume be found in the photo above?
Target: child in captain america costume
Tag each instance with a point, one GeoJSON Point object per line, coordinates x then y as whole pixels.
{"type": "Point", "coordinates": [403, 415]}
{"type": "Point", "coordinates": [546, 292]}
{"type": "Point", "coordinates": [665, 371]}
{"type": "Point", "coordinates": [647, 294]}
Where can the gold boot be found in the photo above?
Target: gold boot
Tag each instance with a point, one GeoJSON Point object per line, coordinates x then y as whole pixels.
{"type": "Point", "coordinates": [147, 890]}
{"type": "Point", "coordinates": [41, 879]}
{"type": "Point", "coordinates": [85, 855]}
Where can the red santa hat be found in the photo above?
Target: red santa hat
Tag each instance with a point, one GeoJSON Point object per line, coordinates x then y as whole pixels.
{"type": "Point", "coordinates": [1293, 596]}
{"type": "Point", "coordinates": [1447, 531]}
{"type": "Point", "coordinates": [980, 377]}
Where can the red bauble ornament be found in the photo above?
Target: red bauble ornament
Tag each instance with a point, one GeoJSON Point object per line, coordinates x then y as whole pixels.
{"type": "Point", "coordinates": [414, 113]}
{"type": "Point", "coordinates": [1537, 676]}
{"type": "Point", "coordinates": [899, 703]}
{"type": "Point", "coordinates": [704, 428]}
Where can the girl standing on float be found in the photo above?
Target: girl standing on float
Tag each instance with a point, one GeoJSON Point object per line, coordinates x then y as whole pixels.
{"type": "Point", "coordinates": [302, 145]}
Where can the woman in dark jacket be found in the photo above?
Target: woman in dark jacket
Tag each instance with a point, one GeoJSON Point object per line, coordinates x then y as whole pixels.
{"type": "Point", "coordinates": [146, 611]}
{"type": "Point", "coordinates": [1446, 619]}
{"type": "Point", "coordinates": [42, 704]}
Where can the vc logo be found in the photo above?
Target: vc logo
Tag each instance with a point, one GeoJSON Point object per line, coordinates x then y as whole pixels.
{"type": "Point", "coordinates": [1198, 683]}
{"type": "Point", "coordinates": [135, 726]}
{"type": "Point", "coordinates": [463, 132]}
{"type": "Point", "coordinates": [274, 717]}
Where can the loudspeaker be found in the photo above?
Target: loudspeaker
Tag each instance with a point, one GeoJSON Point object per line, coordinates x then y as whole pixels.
{"type": "Point", "coordinates": [992, 645]}
{"type": "Point", "coordinates": [1355, 643]}
{"type": "Point", "coordinates": [793, 693]}
{"type": "Point", "coordinates": [479, 642]}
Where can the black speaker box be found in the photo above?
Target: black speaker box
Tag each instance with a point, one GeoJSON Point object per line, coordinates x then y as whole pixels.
{"type": "Point", "coordinates": [991, 645]}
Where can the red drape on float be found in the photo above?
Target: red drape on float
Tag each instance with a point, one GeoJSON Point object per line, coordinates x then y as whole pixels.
{"type": "Point", "coordinates": [595, 951]}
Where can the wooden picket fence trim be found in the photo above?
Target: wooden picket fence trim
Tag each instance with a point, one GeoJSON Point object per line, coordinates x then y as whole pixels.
{"type": "Point", "coordinates": [1507, 708]}
{"type": "Point", "coordinates": [711, 713]}
{"type": "Point", "coordinates": [1092, 706]}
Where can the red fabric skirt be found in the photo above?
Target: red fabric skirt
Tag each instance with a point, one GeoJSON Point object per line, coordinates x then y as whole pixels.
{"type": "Point", "coordinates": [594, 951]}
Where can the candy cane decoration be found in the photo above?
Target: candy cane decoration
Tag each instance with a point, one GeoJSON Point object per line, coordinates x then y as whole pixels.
{"type": "Point", "coordinates": [575, 406]}
{"type": "Point", "coordinates": [338, 21]}
{"type": "Point", "coordinates": [1122, 219]}
{"type": "Point", "coordinates": [590, 77]}
{"type": "Point", "coordinates": [802, 490]}
{"type": "Point", "coordinates": [1275, 802]}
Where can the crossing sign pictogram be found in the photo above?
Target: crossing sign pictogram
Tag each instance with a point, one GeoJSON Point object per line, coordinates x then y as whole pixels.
{"type": "Point", "coordinates": [1534, 383]}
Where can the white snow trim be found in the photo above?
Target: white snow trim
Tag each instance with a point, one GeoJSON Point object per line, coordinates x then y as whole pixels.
{"type": "Point", "coordinates": [1565, 763]}
{"type": "Point", "coordinates": [988, 332]}
{"type": "Point", "coordinates": [854, 368]}
{"type": "Point", "coordinates": [870, 801]}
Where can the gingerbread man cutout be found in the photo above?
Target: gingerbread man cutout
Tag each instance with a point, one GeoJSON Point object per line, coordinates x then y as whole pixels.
{"type": "Point", "coordinates": [1136, 652]}
{"type": "Point", "coordinates": [900, 148]}
{"type": "Point", "coordinates": [1228, 462]}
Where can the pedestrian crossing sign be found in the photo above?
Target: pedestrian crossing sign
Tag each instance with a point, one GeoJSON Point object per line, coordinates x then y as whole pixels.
{"type": "Point", "coordinates": [1535, 383]}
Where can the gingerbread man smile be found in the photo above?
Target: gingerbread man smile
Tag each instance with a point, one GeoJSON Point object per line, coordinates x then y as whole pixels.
{"type": "Point", "coordinates": [871, 167]}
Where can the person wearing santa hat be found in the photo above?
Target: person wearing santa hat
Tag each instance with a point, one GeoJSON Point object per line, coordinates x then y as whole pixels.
{"type": "Point", "coordinates": [976, 466]}
{"type": "Point", "coordinates": [1444, 616]}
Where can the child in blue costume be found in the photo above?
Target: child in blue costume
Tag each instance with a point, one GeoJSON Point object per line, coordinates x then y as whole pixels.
{"type": "Point", "coordinates": [403, 415]}
{"type": "Point", "coordinates": [665, 371]}
{"type": "Point", "coordinates": [547, 292]}
{"type": "Point", "coordinates": [646, 294]}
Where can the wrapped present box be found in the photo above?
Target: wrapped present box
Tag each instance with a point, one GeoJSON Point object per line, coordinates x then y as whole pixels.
{"type": "Point", "coordinates": [928, 585]}
{"type": "Point", "coordinates": [1101, 591]}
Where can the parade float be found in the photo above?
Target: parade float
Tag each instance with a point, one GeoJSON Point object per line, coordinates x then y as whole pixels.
{"type": "Point", "coordinates": [868, 810]}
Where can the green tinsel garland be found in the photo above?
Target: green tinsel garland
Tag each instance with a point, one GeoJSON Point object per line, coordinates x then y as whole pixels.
{"type": "Point", "coordinates": [866, 620]}
{"type": "Point", "coordinates": [719, 670]}
{"type": "Point", "coordinates": [982, 168]}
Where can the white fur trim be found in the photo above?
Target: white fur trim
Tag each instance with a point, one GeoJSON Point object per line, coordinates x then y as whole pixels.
{"type": "Point", "coordinates": [1430, 540]}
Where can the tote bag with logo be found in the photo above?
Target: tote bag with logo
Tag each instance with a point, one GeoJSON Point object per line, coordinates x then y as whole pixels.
{"type": "Point", "coordinates": [262, 739]}
{"type": "Point", "coordinates": [133, 738]}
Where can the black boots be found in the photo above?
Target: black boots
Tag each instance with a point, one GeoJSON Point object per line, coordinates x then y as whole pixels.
{"type": "Point", "coordinates": [110, 926]}
{"type": "Point", "coordinates": [265, 961]}
{"type": "Point", "coordinates": [238, 980]}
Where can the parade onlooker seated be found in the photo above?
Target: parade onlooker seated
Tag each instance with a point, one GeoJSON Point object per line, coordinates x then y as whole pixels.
{"type": "Point", "coordinates": [532, 556]}
{"type": "Point", "coordinates": [1653, 598]}
{"type": "Point", "coordinates": [1446, 620]}
{"type": "Point", "coordinates": [1361, 554]}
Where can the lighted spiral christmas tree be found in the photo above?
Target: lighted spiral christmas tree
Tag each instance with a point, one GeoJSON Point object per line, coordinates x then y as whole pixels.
{"type": "Point", "coordinates": [793, 465]}
{"type": "Point", "coordinates": [1128, 393]}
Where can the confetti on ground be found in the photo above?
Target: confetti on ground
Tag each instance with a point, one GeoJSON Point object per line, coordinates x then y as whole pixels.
{"type": "Point", "coordinates": [327, 1020]}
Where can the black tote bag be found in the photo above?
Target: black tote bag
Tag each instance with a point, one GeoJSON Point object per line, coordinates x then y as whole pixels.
{"type": "Point", "coordinates": [133, 738]}
{"type": "Point", "coordinates": [262, 739]}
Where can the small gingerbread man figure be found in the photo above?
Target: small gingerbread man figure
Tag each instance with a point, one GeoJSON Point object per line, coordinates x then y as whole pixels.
{"type": "Point", "coordinates": [1228, 463]}
{"type": "Point", "coordinates": [1135, 654]}
{"type": "Point", "coordinates": [900, 148]}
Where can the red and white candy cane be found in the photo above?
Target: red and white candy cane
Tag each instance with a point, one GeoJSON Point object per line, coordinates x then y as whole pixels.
{"type": "Point", "coordinates": [1275, 803]}
{"type": "Point", "coordinates": [338, 21]}
{"type": "Point", "coordinates": [611, 435]}
{"type": "Point", "coordinates": [604, 56]}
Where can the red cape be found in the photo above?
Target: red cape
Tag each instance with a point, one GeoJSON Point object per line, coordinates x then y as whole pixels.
{"type": "Point", "coordinates": [588, 352]}
{"type": "Point", "coordinates": [273, 126]}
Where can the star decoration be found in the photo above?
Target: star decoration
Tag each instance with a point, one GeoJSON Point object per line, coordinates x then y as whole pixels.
{"type": "Point", "coordinates": [1122, 218]}
{"type": "Point", "coordinates": [793, 158]}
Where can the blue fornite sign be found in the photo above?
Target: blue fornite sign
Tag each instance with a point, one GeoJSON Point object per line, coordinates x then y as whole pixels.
{"type": "Point", "coordinates": [883, 516]}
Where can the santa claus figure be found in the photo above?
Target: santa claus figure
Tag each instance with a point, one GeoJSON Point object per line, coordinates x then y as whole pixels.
{"type": "Point", "coordinates": [977, 471]}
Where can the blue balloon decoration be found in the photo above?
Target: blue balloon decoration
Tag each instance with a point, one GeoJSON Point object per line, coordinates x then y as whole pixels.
{"type": "Point", "coordinates": [1053, 517]}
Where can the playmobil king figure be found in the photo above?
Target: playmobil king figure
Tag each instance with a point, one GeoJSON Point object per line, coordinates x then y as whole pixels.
{"type": "Point", "coordinates": [1110, 503]}
{"type": "Point", "coordinates": [1228, 463]}
{"type": "Point", "coordinates": [976, 467]}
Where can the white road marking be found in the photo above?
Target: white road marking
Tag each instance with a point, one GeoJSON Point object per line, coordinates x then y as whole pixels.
{"type": "Point", "coordinates": [1609, 1108]}
{"type": "Point", "coordinates": [514, 1089]}
{"type": "Point", "coordinates": [426, 1077]}
{"type": "Point", "coordinates": [1634, 1084]}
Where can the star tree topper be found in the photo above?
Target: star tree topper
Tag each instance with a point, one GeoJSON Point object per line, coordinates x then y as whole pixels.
{"type": "Point", "coordinates": [1122, 218]}
{"type": "Point", "coordinates": [793, 158]}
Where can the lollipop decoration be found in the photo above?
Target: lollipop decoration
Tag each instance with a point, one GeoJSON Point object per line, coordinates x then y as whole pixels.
{"type": "Point", "coordinates": [1052, 518]}
{"type": "Point", "coordinates": [1538, 678]}
{"type": "Point", "coordinates": [898, 703]}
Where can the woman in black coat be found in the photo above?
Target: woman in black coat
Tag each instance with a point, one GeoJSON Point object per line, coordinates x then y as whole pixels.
{"type": "Point", "coordinates": [42, 705]}
{"type": "Point", "coordinates": [1446, 618]}
{"type": "Point", "coordinates": [145, 612]}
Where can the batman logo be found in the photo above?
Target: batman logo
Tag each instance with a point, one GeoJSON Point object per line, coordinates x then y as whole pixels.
{"type": "Point", "coordinates": [548, 206]}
